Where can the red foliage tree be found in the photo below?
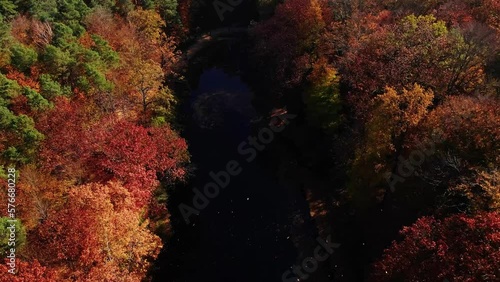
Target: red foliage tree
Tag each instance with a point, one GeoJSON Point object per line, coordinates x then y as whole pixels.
{"type": "Point", "coordinates": [22, 80]}
{"type": "Point", "coordinates": [109, 148]}
{"type": "Point", "coordinates": [27, 271]}
{"type": "Point", "coordinates": [65, 142]}
{"type": "Point", "coordinates": [288, 39]}
{"type": "Point", "coordinates": [458, 248]}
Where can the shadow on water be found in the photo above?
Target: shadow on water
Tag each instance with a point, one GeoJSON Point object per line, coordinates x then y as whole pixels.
{"type": "Point", "coordinates": [247, 232]}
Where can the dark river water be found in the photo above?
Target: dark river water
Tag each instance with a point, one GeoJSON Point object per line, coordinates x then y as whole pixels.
{"type": "Point", "coordinates": [245, 229]}
{"type": "Point", "coordinates": [252, 230]}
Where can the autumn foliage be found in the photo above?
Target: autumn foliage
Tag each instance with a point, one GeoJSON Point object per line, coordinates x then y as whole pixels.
{"type": "Point", "coordinates": [85, 150]}
{"type": "Point", "coordinates": [81, 86]}
{"type": "Point", "coordinates": [458, 248]}
{"type": "Point", "coordinates": [298, 23]}
{"type": "Point", "coordinates": [89, 93]}
{"type": "Point", "coordinates": [395, 84]}
{"type": "Point", "coordinates": [415, 49]}
{"type": "Point", "coordinates": [100, 233]}
{"type": "Point", "coordinates": [28, 271]}
{"type": "Point", "coordinates": [470, 126]}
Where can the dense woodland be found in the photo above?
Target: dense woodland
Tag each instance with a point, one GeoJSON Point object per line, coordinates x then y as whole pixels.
{"type": "Point", "coordinates": [398, 129]}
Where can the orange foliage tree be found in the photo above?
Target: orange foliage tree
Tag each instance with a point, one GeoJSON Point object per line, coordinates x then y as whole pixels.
{"type": "Point", "coordinates": [28, 271]}
{"type": "Point", "coordinates": [470, 126]}
{"type": "Point", "coordinates": [97, 236]}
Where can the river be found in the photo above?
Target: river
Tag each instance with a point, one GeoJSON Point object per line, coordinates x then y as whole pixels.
{"type": "Point", "coordinates": [255, 229]}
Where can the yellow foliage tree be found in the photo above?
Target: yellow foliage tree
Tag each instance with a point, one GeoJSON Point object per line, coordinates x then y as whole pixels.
{"type": "Point", "coordinates": [482, 190]}
{"type": "Point", "coordinates": [393, 115]}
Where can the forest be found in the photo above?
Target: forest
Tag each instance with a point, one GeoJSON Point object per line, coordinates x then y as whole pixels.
{"type": "Point", "coordinates": [249, 140]}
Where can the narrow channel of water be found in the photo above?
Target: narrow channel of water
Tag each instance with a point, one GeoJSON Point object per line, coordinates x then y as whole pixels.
{"type": "Point", "coordinates": [249, 231]}
{"type": "Point", "coordinates": [244, 230]}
